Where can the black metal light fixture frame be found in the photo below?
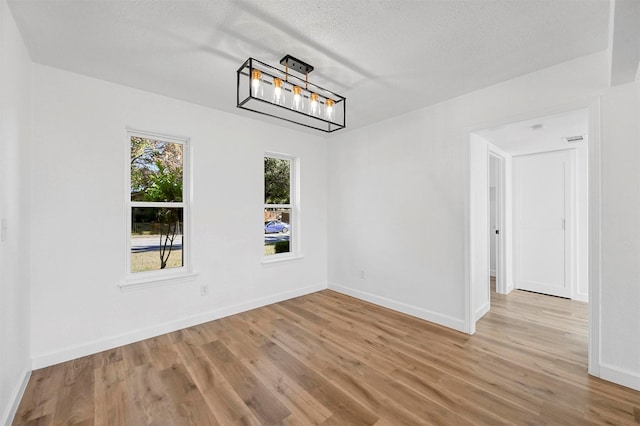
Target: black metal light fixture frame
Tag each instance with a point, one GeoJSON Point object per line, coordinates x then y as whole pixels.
{"type": "Point", "coordinates": [247, 99]}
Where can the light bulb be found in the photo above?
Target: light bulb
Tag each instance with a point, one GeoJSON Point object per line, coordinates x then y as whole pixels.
{"type": "Point", "coordinates": [329, 111]}
{"type": "Point", "coordinates": [313, 105]}
{"type": "Point", "coordinates": [256, 82]}
{"type": "Point", "coordinates": [278, 92]}
{"type": "Point", "coordinates": [297, 98]}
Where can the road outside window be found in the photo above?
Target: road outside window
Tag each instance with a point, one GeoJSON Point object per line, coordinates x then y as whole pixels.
{"type": "Point", "coordinates": [278, 211]}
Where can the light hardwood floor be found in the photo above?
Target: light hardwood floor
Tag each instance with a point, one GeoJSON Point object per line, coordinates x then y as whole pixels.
{"type": "Point", "coordinates": [326, 358]}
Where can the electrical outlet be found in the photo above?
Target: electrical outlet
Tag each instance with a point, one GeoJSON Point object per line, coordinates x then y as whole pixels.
{"type": "Point", "coordinates": [204, 290]}
{"type": "Point", "coordinates": [362, 274]}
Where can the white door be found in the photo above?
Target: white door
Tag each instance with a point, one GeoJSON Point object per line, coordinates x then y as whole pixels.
{"type": "Point", "coordinates": [543, 222]}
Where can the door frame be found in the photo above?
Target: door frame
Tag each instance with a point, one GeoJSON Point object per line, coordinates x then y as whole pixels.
{"type": "Point", "coordinates": [501, 253]}
{"type": "Point", "coordinates": [595, 208]}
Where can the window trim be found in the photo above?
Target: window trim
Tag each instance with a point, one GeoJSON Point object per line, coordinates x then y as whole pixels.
{"type": "Point", "coordinates": [134, 280]}
{"type": "Point", "coordinates": [294, 205]}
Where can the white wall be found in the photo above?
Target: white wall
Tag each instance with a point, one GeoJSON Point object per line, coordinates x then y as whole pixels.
{"type": "Point", "coordinates": [78, 215]}
{"type": "Point", "coordinates": [395, 213]}
{"type": "Point", "coordinates": [399, 199]}
{"type": "Point", "coordinates": [582, 222]}
{"type": "Point", "coordinates": [398, 190]}
{"type": "Point", "coordinates": [15, 94]}
{"type": "Point", "coordinates": [480, 258]}
{"type": "Point", "coordinates": [620, 295]}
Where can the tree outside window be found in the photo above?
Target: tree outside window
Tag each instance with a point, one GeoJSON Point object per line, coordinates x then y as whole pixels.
{"type": "Point", "coordinates": [278, 211]}
{"type": "Point", "coordinates": [156, 204]}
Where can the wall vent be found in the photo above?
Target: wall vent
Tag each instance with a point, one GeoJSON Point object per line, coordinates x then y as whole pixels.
{"type": "Point", "coordinates": [573, 139]}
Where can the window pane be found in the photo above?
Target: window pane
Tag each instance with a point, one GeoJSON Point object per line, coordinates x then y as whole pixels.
{"type": "Point", "coordinates": [156, 170]}
{"type": "Point", "coordinates": [277, 181]}
{"type": "Point", "coordinates": [276, 230]}
{"type": "Point", "coordinates": [156, 238]}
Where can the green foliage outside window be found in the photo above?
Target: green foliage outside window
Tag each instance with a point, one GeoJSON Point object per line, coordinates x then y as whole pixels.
{"type": "Point", "coordinates": [156, 170]}
{"type": "Point", "coordinates": [157, 176]}
{"type": "Point", "coordinates": [277, 181]}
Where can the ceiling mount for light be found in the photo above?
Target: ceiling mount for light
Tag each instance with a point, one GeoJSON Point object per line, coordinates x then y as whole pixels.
{"type": "Point", "coordinates": [278, 93]}
{"type": "Point", "coordinates": [296, 65]}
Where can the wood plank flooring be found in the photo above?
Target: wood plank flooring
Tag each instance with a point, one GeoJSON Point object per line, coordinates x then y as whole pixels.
{"type": "Point", "coordinates": [329, 359]}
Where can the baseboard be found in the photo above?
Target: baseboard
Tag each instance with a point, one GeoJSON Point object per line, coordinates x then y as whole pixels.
{"type": "Point", "coordinates": [492, 273]}
{"type": "Point", "coordinates": [425, 314]}
{"type": "Point", "coordinates": [99, 345]}
{"type": "Point", "coordinates": [620, 376]}
{"type": "Point", "coordinates": [582, 297]}
{"type": "Point", "coordinates": [481, 311]}
{"type": "Point", "coordinates": [510, 287]}
{"type": "Point", "coordinates": [14, 401]}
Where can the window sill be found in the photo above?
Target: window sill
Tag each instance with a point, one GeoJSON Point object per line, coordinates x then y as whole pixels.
{"type": "Point", "coordinates": [281, 259]}
{"type": "Point", "coordinates": [157, 281]}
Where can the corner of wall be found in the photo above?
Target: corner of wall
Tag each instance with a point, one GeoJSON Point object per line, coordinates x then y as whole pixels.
{"type": "Point", "coordinates": [14, 399]}
{"type": "Point", "coordinates": [481, 311]}
{"type": "Point", "coordinates": [620, 376]}
{"type": "Point", "coordinates": [510, 287]}
{"type": "Point", "coordinates": [15, 142]}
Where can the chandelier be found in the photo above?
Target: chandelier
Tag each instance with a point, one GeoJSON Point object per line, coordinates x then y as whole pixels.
{"type": "Point", "coordinates": [278, 93]}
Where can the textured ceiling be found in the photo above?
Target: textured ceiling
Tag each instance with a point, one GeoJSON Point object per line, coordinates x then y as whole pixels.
{"type": "Point", "coordinates": [386, 57]}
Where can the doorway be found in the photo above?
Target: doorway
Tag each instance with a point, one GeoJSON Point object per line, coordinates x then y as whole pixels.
{"type": "Point", "coordinates": [543, 216]}
{"type": "Point", "coordinates": [497, 219]}
{"type": "Point", "coordinates": [582, 246]}
{"type": "Point", "coordinates": [587, 235]}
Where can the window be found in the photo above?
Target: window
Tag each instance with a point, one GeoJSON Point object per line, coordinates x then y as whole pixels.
{"type": "Point", "coordinates": [157, 205]}
{"type": "Point", "coordinates": [279, 205]}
